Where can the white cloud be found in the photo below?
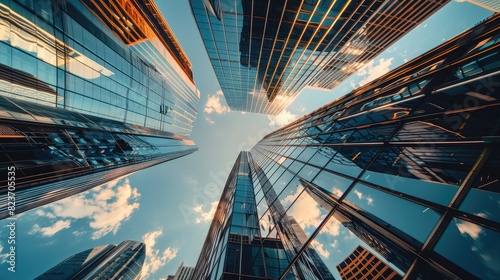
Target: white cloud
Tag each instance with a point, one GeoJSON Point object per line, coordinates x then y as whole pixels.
{"type": "Point", "coordinates": [78, 233]}
{"type": "Point", "coordinates": [3, 257]}
{"type": "Point", "coordinates": [359, 194]}
{"type": "Point", "coordinates": [106, 206]}
{"type": "Point", "coordinates": [471, 229]}
{"type": "Point", "coordinates": [154, 258]}
{"type": "Point", "coordinates": [373, 71]}
{"type": "Point", "coordinates": [337, 192]}
{"type": "Point", "coordinates": [320, 249]}
{"type": "Point", "coordinates": [370, 200]}
{"type": "Point", "coordinates": [214, 104]}
{"type": "Point", "coordinates": [283, 118]}
{"type": "Point", "coordinates": [302, 109]}
{"type": "Point", "coordinates": [51, 230]}
{"type": "Point", "coordinates": [308, 213]}
{"type": "Point", "coordinates": [209, 120]}
{"type": "Point", "coordinates": [335, 243]}
{"type": "Point", "coordinates": [203, 216]}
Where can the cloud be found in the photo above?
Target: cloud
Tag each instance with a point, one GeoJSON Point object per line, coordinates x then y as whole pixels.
{"type": "Point", "coordinates": [50, 230]}
{"type": "Point", "coordinates": [205, 217]}
{"type": "Point", "coordinates": [471, 229]}
{"type": "Point", "coordinates": [214, 104]}
{"type": "Point", "coordinates": [3, 257]}
{"type": "Point", "coordinates": [337, 192]}
{"type": "Point", "coordinates": [209, 120]}
{"type": "Point", "coordinates": [320, 249]}
{"type": "Point", "coordinates": [335, 243]}
{"type": "Point", "coordinates": [154, 258]}
{"type": "Point", "coordinates": [360, 195]}
{"type": "Point", "coordinates": [106, 206]}
{"type": "Point", "coordinates": [308, 213]}
{"type": "Point", "coordinates": [283, 118]}
{"type": "Point", "coordinates": [372, 71]}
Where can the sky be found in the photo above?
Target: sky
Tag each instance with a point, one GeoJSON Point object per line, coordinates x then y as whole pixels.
{"type": "Point", "coordinates": [170, 206]}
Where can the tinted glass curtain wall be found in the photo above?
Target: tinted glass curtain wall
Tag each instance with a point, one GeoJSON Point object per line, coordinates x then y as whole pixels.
{"type": "Point", "coordinates": [123, 261]}
{"type": "Point", "coordinates": [407, 166]}
{"type": "Point", "coordinates": [86, 97]}
{"type": "Point", "coordinates": [265, 52]}
{"type": "Point", "coordinates": [237, 247]}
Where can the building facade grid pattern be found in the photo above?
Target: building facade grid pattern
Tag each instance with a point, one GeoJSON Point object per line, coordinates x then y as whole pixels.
{"type": "Point", "coordinates": [264, 53]}
{"type": "Point", "coordinates": [407, 163]}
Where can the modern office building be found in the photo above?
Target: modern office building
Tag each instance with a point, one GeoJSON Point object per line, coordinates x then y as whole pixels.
{"type": "Point", "coordinates": [89, 91]}
{"type": "Point", "coordinates": [406, 165]}
{"type": "Point", "coordinates": [492, 5]}
{"type": "Point", "coordinates": [183, 273]}
{"type": "Point", "coordinates": [361, 264]}
{"type": "Point", "coordinates": [265, 52]}
{"type": "Point", "coordinates": [104, 262]}
{"type": "Point", "coordinates": [237, 247]}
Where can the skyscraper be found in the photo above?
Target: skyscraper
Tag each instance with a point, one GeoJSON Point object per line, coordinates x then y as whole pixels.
{"type": "Point", "coordinates": [265, 52]}
{"type": "Point", "coordinates": [89, 91]}
{"type": "Point", "coordinates": [406, 165]}
{"type": "Point", "coordinates": [183, 272]}
{"type": "Point", "coordinates": [104, 262]}
{"type": "Point", "coordinates": [361, 264]}
{"type": "Point", "coordinates": [237, 247]}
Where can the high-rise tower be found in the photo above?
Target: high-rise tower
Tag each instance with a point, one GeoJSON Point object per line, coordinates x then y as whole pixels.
{"type": "Point", "coordinates": [237, 247]}
{"type": "Point", "coordinates": [265, 52]}
{"type": "Point", "coordinates": [124, 261]}
{"type": "Point", "coordinates": [89, 91]}
{"type": "Point", "coordinates": [406, 165]}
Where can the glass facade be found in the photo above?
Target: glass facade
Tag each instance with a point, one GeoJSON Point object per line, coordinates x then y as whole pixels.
{"type": "Point", "coordinates": [237, 247]}
{"type": "Point", "coordinates": [265, 52]}
{"type": "Point", "coordinates": [362, 264]}
{"type": "Point", "coordinates": [86, 98]}
{"type": "Point", "coordinates": [406, 165]}
{"type": "Point", "coordinates": [104, 262]}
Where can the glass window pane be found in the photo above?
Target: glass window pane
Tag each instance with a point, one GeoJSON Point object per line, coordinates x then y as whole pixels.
{"type": "Point", "coordinates": [471, 246]}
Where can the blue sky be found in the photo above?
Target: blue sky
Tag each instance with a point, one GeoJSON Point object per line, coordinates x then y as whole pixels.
{"type": "Point", "coordinates": [169, 206]}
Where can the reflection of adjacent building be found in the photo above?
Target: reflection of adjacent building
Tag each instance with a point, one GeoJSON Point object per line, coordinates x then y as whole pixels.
{"type": "Point", "coordinates": [407, 163]}
{"type": "Point", "coordinates": [236, 245]}
{"type": "Point", "coordinates": [81, 105]}
{"type": "Point", "coordinates": [265, 52]}
{"type": "Point", "coordinates": [361, 264]}
{"type": "Point", "coordinates": [123, 261]}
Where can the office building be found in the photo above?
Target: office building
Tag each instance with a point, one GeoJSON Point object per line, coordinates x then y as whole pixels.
{"type": "Point", "coordinates": [89, 91]}
{"type": "Point", "coordinates": [237, 247]}
{"type": "Point", "coordinates": [104, 262]}
{"type": "Point", "coordinates": [183, 273]}
{"type": "Point", "coordinates": [361, 264]}
{"type": "Point", "coordinates": [406, 166]}
{"type": "Point", "coordinates": [265, 52]}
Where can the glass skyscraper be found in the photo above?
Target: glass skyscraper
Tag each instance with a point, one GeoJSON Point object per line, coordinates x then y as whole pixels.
{"type": "Point", "coordinates": [89, 91]}
{"type": "Point", "coordinates": [124, 261]}
{"type": "Point", "coordinates": [265, 52]}
{"type": "Point", "coordinates": [237, 247]}
{"type": "Point", "coordinates": [361, 264]}
{"type": "Point", "coordinates": [407, 165]}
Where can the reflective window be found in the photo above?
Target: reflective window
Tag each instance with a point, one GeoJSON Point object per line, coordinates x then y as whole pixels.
{"type": "Point", "coordinates": [472, 247]}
